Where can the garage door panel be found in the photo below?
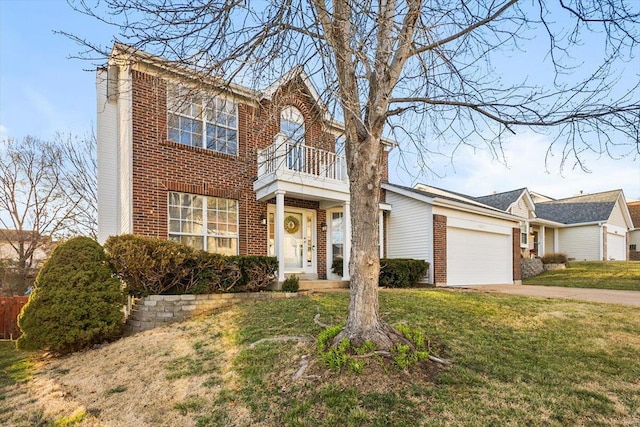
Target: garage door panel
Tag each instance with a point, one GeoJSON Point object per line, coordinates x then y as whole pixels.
{"type": "Point", "coordinates": [616, 247]}
{"type": "Point", "coordinates": [478, 258]}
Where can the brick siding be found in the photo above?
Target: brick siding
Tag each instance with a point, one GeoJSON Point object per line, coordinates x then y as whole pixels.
{"type": "Point", "coordinates": [440, 250]}
{"type": "Point", "coordinates": [517, 264]}
{"type": "Point", "coordinates": [161, 166]}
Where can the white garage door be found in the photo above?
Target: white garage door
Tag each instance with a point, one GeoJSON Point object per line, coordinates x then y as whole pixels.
{"type": "Point", "coordinates": [616, 247]}
{"type": "Point", "coordinates": [478, 258]}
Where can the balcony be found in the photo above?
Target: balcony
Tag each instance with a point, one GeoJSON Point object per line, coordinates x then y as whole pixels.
{"type": "Point", "coordinates": [302, 172]}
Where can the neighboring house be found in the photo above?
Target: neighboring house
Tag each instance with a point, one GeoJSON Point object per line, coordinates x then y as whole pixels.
{"type": "Point", "coordinates": [221, 167]}
{"type": "Point", "coordinates": [634, 234]}
{"type": "Point", "coordinates": [584, 227]}
{"type": "Point", "coordinates": [11, 239]}
{"type": "Point", "coordinates": [465, 242]}
{"type": "Point", "coordinates": [11, 280]}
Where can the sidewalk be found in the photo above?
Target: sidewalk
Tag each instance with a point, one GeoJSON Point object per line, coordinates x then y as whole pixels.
{"type": "Point", "coordinates": [582, 294]}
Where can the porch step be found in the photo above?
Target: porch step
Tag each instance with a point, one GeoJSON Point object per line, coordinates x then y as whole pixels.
{"type": "Point", "coordinates": [306, 285]}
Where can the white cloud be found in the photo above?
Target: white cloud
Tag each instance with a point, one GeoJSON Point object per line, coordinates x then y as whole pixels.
{"type": "Point", "coordinates": [4, 132]}
{"type": "Point", "coordinates": [477, 173]}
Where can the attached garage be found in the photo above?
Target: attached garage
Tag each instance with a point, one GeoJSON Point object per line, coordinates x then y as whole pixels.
{"type": "Point", "coordinates": [478, 257]}
{"type": "Point", "coordinates": [616, 247]}
{"type": "Point", "coordinates": [464, 241]}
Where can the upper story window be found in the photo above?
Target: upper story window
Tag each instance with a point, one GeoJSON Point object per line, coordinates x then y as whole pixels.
{"type": "Point", "coordinates": [292, 124]}
{"type": "Point", "coordinates": [292, 127]}
{"type": "Point", "coordinates": [203, 121]}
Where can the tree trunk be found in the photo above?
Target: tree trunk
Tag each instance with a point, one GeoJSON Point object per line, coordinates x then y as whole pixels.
{"type": "Point", "coordinates": [363, 322]}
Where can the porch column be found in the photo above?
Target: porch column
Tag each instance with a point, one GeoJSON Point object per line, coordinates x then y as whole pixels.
{"type": "Point", "coordinates": [279, 231]}
{"type": "Point", "coordinates": [541, 241]}
{"type": "Point", "coordinates": [381, 232]}
{"type": "Point", "coordinates": [556, 240]}
{"type": "Point", "coordinates": [346, 256]}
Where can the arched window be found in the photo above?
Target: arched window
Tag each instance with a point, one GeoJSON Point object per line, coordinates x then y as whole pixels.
{"type": "Point", "coordinates": [292, 124]}
{"type": "Point", "coordinates": [292, 127]}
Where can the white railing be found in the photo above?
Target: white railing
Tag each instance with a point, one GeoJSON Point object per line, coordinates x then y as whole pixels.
{"type": "Point", "coordinates": [292, 156]}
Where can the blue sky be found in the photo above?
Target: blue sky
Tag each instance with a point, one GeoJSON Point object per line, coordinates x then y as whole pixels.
{"type": "Point", "coordinates": [42, 92]}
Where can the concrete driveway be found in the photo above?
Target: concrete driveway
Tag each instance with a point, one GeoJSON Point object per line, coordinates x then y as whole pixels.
{"type": "Point", "coordinates": [582, 294]}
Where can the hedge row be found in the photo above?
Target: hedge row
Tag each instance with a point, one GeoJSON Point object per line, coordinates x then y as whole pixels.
{"type": "Point", "coordinates": [151, 266]}
{"type": "Point", "coordinates": [394, 272]}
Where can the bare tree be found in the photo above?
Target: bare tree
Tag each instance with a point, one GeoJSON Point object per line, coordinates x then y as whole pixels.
{"type": "Point", "coordinates": [80, 182]}
{"type": "Point", "coordinates": [426, 71]}
{"type": "Point", "coordinates": [48, 192]}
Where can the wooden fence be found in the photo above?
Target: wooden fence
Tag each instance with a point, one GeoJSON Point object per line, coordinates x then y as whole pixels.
{"type": "Point", "coordinates": [9, 310]}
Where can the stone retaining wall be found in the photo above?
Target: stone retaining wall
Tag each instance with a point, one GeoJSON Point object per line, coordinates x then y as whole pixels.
{"type": "Point", "coordinates": [159, 310]}
{"type": "Point", "coordinates": [531, 267]}
{"type": "Point", "coordinates": [548, 267]}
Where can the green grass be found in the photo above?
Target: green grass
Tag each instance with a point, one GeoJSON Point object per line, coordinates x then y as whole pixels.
{"type": "Point", "coordinates": [621, 275]}
{"type": "Point", "coordinates": [516, 361]}
{"type": "Point", "coordinates": [15, 366]}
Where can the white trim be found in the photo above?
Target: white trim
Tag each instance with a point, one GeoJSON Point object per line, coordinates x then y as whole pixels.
{"type": "Point", "coordinates": [306, 214]}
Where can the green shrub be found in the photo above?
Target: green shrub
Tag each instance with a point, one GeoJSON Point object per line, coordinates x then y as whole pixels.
{"type": "Point", "coordinates": [291, 284]}
{"type": "Point", "coordinates": [76, 301]}
{"type": "Point", "coordinates": [149, 266]}
{"type": "Point", "coordinates": [336, 266]}
{"type": "Point", "coordinates": [554, 258]}
{"type": "Point", "coordinates": [153, 266]}
{"type": "Point", "coordinates": [258, 272]}
{"type": "Point", "coordinates": [394, 272]}
{"type": "Point", "coordinates": [401, 273]}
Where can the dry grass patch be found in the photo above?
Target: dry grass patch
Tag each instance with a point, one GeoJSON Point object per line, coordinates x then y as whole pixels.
{"type": "Point", "coordinates": [515, 360]}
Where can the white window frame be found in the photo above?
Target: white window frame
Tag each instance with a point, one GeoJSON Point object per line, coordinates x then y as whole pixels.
{"type": "Point", "coordinates": [524, 234]}
{"type": "Point", "coordinates": [204, 234]}
{"type": "Point", "coordinates": [200, 111]}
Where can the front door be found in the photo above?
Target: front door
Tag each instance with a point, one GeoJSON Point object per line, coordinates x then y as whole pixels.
{"type": "Point", "coordinates": [299, 240]}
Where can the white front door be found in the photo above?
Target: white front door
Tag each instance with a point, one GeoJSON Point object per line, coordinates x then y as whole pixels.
{"type": "Point", "coordinates": [299, 240]}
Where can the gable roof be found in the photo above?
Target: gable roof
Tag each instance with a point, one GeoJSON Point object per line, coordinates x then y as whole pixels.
{"type": "Point", "coordinates": [440, 197]}
{"type": "Point", "coordinates": [580, 209]}
{"type": "Point", "coordinates": [634, 211]}
{"type": "Point", "coordinates": [502, 201]}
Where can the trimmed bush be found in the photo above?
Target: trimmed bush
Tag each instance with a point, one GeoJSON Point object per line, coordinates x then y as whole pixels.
{"type": "Point", "coordinates": [394, 272]}
{"type": "Point", "coordinates": [291, 284]}
{"type": "Point", "coordinates": [149, 266]}
{"type": "Point", "coordinates": [161, 267]}
{"type": "Point", "coordinates": [401, 273]}
{"type": "Point", "coordinates": [336, 266]}
{"type": "Point", "coordinates": [76, 301]}
{"type": "Point", "coordinates": [554, 258]}
{"type": "Point", "coordinates": [257, 272]}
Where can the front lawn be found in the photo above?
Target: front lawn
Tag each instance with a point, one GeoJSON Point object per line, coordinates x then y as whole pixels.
{"type": "Point", "coordinates": [514, 361]}
{"type": "Point", "coordinates": [621, 275]}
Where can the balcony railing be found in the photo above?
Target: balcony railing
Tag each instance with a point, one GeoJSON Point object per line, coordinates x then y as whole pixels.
{"type": "Point", "coordinates": [289, 156]}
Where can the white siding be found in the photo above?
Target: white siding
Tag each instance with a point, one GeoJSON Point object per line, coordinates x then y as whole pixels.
{"type": "Point", "coordinates": [520, 209]}
{"type": "Point", "coordinates": [617, 218]}
{"type": "Point", "coordinates": [548, 240]}
{"type": "Point", "coordinates": [616, 247]}
{"type": "Point", "coordinates": [410, 229]}
{"type": "Point", "coordinates": [581, 243]}
{"type": "Point", "coordinates": [107, 157]}
{"type": "Point", "coordinates": [634, 238]}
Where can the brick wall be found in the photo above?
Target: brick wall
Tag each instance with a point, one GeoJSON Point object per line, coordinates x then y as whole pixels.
{"type": "Point", "coordinates": [517, 264]}
{"type": "Point", "coordinates": [161, 166]}
{"type": "Point", "coordinates": [605, 257]}
{"type": "Point", "coordinates": [440, 250]}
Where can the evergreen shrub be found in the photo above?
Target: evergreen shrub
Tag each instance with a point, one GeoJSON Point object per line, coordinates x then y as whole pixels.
{"type": "Point", "coordinates": [76, 301]}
